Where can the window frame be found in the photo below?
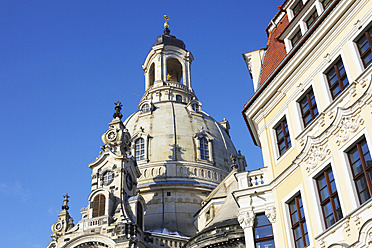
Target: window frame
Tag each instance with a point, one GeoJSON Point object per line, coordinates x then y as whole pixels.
{"type": "Point", "coordinates": [141, 156]}
{"type": "Point", "coordinates": [99, 205]}
{"type": "Point", "coordinates": [203, 141]}
{"type": "Point", "coordinates": [301, 220]}
{"type": "Point", "coordinates": [365, 169]}
{"type": "Point", "coordinates": [313, 16]}
{"type": "Point", "coordinates": [263, 239]}
{"type": "Point", "coordinates": [299, 4]}
{"type": "Point", "coordinates": [331, 196]}
{"type": "Point", "coordinates": [281, 124]}
{"type": "Point", "coordinates": [340, 78]}
{"type": "Point", "coordinates": [364, 34]}
{"type": "Point", "coordinates": [307, 96]}
{"type": "Point", "coordinates": [296, 34]}
{"type": "Point", "coordinates": [325, 6]}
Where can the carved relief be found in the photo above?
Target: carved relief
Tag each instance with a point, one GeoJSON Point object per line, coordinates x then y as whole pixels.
{"type": "Point", "coordinates": [317, 153]}
{"type": "Point", "coordinates": [246, 219]}
{"type": "Point", "coordinates": [348, 125]}
{"type": "Point", "coordinates": [346, 227]}
{"type": "Point", "coordinates": [271, 214]}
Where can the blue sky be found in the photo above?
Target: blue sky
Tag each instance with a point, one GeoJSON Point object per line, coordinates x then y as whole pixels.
{"type": "Point", "coordinates": [64, 63]}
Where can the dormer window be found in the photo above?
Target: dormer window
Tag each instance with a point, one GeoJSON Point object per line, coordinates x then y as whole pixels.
{"type": "Point", "coordinates": [311, 19]}
{"type": "Point", "coordinates": [204, 150]}
{"type": "Point", "coordinates": [195, 107]}
{"type": "Point", "coordinates": [296, 37]}
{"type": "Point", "coordinates": [297, 7]}
{"type": "Point", "coordinates": [140, 149]}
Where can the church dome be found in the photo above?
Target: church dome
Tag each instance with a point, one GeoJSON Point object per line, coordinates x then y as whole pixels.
{"type": "Point", "coordinates": [174, 129]}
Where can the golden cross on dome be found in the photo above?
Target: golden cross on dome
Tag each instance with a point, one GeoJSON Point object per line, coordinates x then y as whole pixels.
{"type": "Point", "coordinates": [166, 24]}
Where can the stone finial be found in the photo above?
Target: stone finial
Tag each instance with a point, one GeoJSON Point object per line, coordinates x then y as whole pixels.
{"type": "Point", "coordinates": [118, 108]}
{"type": "Point", "coordinates": [233, 160]}
{"type": "Point", "coordinates": [65, 202]}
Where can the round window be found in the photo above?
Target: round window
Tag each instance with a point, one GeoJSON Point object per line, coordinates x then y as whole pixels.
{"type": "Point", "coordinates": [145, 108]}
{"type": "Point", "coordinates": [108, 177]}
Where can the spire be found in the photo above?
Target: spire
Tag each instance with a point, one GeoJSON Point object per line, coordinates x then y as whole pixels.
{"type": "Point", "coordinates": [166, 24]}
{"type": "Point", "coordinates": [118, 108]}
{"type": "Point", "coordinates": [65, 202]}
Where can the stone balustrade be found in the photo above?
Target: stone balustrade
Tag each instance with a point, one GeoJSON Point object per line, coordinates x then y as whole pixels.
{"type": "Point", "coordinates": [252, 178]}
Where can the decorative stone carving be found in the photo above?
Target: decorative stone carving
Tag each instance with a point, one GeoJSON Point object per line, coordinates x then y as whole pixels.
{"type": "Point", "coordinates": [321, 243]}
{"type": "Point", "coordinates": [347, 227]}
{"type": "Point", "coordinates": [348, 124]}
{"type": "Point", "coordinates": [246, 219]}
{"type": "Point", "coordinates": [358, 24]}
{"type": "Point", "coordinates": [353, 91]}
{"type": "Point", "coordinates": [327, 57]}
{"type": "Point", "coordinates": [356, 220]}
{"type": "Point", "coordinates": [316, 153]}
{"type": "Point", "coordinates": [271, 214]}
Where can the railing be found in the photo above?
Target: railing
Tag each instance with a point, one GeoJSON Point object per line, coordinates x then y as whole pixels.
{"type": "Point", "coordinates": [253, 178]}
{"type": "Point", "coordinates": [95, 222]}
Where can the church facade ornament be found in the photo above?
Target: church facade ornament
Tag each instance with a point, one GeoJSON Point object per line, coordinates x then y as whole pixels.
{"type": "Point", "coordinates": [246, 219]}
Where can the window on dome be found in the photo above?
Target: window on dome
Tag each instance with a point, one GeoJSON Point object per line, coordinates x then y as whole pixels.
{"type": "Point", "coordinates": [361, 167]}
{"type": "Point", "coordinates": [263, 232]}
{"type": "Point", "coordinates": [308, 107]}
{"type": "Point", "coordinates": [195, 107]}
{"type": "Point", "coordinates": [204, 150]}
{"type": "Point", "coordinates": [297, 7]}
{"type": "Point", "coordinates": [364, 44]}
{"type": "Point", "coordinates": [296, 37]}
{"type": "Point", "coordinates": [298, 222]}
{"type": "Point", "coordinates": [145, 108]}
{"type": "Point", "coordinates": [311, 19]}
{"type": "Point", "coordinates": [174, 70]}
{"type": "Point", "coordinates": [282, 136]}
{"type": "Point", "coordinates": [337, 78]}
{"type": "Point", "coordinates": [99, 205]}
{"type": "Point", "coordinates": [329, 200]}
{"type": "Point", "coordinates": [140, 149]}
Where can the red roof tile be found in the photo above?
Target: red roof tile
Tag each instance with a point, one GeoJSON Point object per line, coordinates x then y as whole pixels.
{"type": "Point", "coordinates": [275, 51]}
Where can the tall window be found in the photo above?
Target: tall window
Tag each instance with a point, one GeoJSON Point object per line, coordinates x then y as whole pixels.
{"type": "Point", "coordinates": [329, 198]}
{"type": "Point", "coordinates": [139, 215]}
{"type": "Point", "coordinates": [365, 47]}
{"type": "Point", "coordinates": [296, 37]}
{"type": "Point", "coordinates": [99, 205]}
{"type": "Point", "coordinates": [312, 18]}
{"type": "Point", "coordinates": [297, 7]}
{"type": "Point", "coordinates": [308, 106]}
{"type": "Point", "coordinates": [282, 136]}
{"type": "Point", "coordinates": [140, 149]}
{"type": "Point", "coordinates": [299, 228]}
{"type": "Point", "coordinates": [263, 232]}
{"type": "Point", "coordinates": [337, 78]}
{"type": "Point", "coordinates": [204, 150]}
{"type": "Point", "coordinates": [361, 165]}
{"type": "Point", "coordinates": [178, 98]}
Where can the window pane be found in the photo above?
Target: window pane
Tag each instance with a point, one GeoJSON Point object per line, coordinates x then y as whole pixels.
{"type": "Point", "coordinates": [364, 196]}
{"type": "Point", "coordinates": [265, 244]}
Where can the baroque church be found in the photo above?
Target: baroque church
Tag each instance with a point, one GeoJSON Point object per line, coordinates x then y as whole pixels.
{"type": "Point", "coordinates": [169, 175]}
{"type": "Point", "coordinates": [157, 167]}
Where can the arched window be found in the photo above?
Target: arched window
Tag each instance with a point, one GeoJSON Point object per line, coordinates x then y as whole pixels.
{"type": "Point", "coordinates": [263, 232]}
{"type": "Point", "coordinates": [140, 149]}
{"type": "Point", "coordinates": [178, 98]}
{"type": "Point", "coordinates": [99, 205]}
{"type": "Point", "coordinates": [204, 150]}
{"type": "Point", "coordinates": [139, 215]}
{"type": "Point", "coordinates": [152, 74]}
{"type": "Point", "coordinates": [174, 70]}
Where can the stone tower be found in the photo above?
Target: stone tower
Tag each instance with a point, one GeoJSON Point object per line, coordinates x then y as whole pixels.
{"type": "Point", "coordinates": [181, 151]}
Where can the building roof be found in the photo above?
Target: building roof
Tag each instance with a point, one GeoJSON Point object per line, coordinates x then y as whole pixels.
{"type": "Point", "coordinates": [275, 52]}
{"type": "Point", "coordinates": [167, 39]}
